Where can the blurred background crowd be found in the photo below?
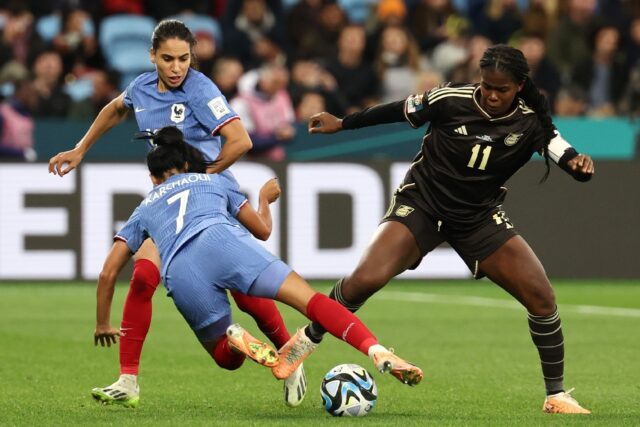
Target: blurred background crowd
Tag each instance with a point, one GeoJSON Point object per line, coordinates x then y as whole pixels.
{"type": "Point", "coordinates": [281, 61]}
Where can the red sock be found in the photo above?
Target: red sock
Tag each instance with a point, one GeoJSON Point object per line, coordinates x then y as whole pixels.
{"type": "Point", "coordinates": [340, 322]}
{"type": "Point", "coordinates": [266, 315]}
{"type": "Point", "coordinates": [225, 357]}
{"type": "Point", "coordinates": [136, 316]}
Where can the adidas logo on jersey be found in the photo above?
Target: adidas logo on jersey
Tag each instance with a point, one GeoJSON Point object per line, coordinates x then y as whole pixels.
{"type": "Point", "coordinates": [462, 130]}
{"type": "Point", "coordinates": [486, 138]}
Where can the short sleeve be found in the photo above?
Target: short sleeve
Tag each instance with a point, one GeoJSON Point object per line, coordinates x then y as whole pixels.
{"type": "Point", "coordinates": [132, 232]}
{"type": "Point", "coordinates": [128, 95]}
{"type": "Point", "coordinates": [235, 198]}
{"type": "Point", "coordinates": [211, 107]}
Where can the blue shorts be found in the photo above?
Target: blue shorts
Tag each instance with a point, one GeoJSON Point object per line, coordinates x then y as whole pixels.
{"type": "Point", "coordinates": [221, 257]}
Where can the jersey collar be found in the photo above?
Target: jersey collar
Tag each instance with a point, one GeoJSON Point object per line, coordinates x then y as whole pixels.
{"type": "Point", "coordinates": [487, 115]}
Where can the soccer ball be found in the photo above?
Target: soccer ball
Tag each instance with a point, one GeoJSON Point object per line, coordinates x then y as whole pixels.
{"type": "Point", "coordinates": [348, 390]}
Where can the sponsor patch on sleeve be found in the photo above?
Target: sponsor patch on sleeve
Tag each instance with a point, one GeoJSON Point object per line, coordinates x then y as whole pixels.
{"type": "Point", "coordinates": [218, 107]}
{"type": "Point", "coordinates": [414, 103]}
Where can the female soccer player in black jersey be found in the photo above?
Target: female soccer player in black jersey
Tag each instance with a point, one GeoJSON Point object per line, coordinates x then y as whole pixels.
{"type": "Point", "coordinates": [479, 136]}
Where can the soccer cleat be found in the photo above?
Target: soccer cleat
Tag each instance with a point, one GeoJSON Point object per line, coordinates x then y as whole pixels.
{"type": "Point", "coordinates": [242, 342]}
{"type": "Point", "coordinates": [125, 392]}
{"type": "Point", "coordinates": [292, 354]}
{"type": "Point", "coordinates": [386, 361]}
{"type": "Point", "coordinates": [563, 403]}
{"type": "Point", "coordinates": [295, 387]}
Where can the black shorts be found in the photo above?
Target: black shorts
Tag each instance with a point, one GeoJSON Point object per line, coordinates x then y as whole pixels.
{"type": "Point", "coordinates": [473, 243]}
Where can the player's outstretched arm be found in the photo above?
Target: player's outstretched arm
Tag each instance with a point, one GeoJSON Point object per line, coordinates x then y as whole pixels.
{"type": "Point", "coordinates": [579, 166]}
{"type": "Point", "coordinates": [259, 223]}
{"type": "Point", "coordinates": [237, 143]}
{"type": "Point", "coordinates": [119, 255]}
{"type": "Point", "coordinates": [112, 114]}
{"type": "Point", "coordinates": [392, 112]}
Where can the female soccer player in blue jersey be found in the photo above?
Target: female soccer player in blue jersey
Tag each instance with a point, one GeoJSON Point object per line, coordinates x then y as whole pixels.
{"type": "Point", "coordinates": [204, 252]}
{"type": "Point", "coordinates": [174, 94]}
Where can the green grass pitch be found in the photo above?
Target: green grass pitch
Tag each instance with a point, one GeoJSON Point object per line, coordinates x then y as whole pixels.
{"type": "Point", "coordinates": [469, 337]}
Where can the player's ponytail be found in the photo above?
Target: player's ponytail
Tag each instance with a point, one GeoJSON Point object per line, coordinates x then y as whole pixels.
{"type": "Point", "coordinates": [512, 61]}
{"type": "Point", "coordinates": [170, 151]}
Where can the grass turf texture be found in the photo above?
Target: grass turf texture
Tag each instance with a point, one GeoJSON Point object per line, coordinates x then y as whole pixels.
{"type": "Point", "coordinates": [480, 365]}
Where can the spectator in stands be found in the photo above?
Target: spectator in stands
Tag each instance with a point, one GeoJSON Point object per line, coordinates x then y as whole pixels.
{"type": "Point", "coordinates": [17, 124]}
{"type": "Point", "coordinates": [225, 74]}
{"type": "Point", "coordinates": [570, 101]}
{"type": "Point", "coordinates": [266, 111]}
{"type": "Point", "coordinates": [501, 19]}
{"type": "Point", "coordinates": [52, 100]}
{"type": "Point", "coordinates": [428, 22]}
{"type": "Point", "coordinates": [388, 13]}
{"type": "Point", "coordinates": [19, 41]}
{"type": "Point", "coordinates": [320, 41]}
{"type": "Point", "coordinates": [303, 17]}
{"type": "Point", "coordinates": [206, 51]}
{"type": "Point", "coordinates": [354, 75]}
{"type": "Point", "coordinates": [398, 63]}
{"type": "Point", "coordinates": [468, 71]}
{"type": "Point", "coordinates": [308, 75]}
{"type": "Point", "coordinates": [76, 47]}
{"type": "Point", "coordinates": [567, 45]}
{"type": "Point", "coordinates": [543, 73]}
{"type": "Point", "coordinates": [633, 48]}
{"type": "Point", "coordinates": [540, 17]}
{"type": "Point", "coordinates": [604, 75]}
{"type": "Point", "coordinates": [308, 104]}
{"type": "Point", "coordinates": [255, 36]}
{"type": "Point", "coordinates": [105, 88]}
{"type": "Point", "coordinates": [112, 7]}
{"type": "Point", "coordinates": [428, 80]}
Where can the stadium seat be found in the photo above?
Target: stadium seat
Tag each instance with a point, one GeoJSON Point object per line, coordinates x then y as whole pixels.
{"type": "Point", "coordinates": [125, 41]}
{"type": "Point", "coordinates": [358, 11]}
{"type": "Point", "coordinates": [202, 23]}
{"type": "Point", "coordinates": [49, 26]}
{"type": "Point", "coordinates": [79, 89]}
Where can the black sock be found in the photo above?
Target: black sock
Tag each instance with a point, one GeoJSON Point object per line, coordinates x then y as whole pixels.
{"type": "Point", "coordinates": [315, 331]}
{"type": "Point", "coordinates": [546, 332]}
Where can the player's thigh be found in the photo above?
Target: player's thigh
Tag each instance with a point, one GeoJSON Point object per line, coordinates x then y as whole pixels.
{"type": "Point", "coordinates": [295, 292]}
{"type": "Point", "coordinates": [516, 268]}
{"type": "Point", "coordinates": [148, 251]}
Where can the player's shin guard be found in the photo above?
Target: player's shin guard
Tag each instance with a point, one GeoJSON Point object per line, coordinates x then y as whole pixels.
{"type": "Point", "coordinates": [340, 322]}
{"type": "Point", "coordinates": [546, 332]}
{"type": "Point", "coordinates": [136, 316]}
{"type": "Point", "coordinates": [266, 315]}
{"type": "Point", "coordinates": [316, 331]}
{"type": "Point", "coordinates": [225, 357]}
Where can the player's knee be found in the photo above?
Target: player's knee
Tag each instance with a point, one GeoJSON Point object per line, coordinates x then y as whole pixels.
{"type": "Point", "coordinates": [358, 287]}
{"type": "Point", "coordinates": [541, 301]}
{"type": "Point", "coordinates": [145, 278]}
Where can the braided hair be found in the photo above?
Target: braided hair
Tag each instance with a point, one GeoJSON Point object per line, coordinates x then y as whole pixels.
{"type": "Point", "coordinates": [174, 29]}
{"type": "Point", "coordinates": [171, 152]}
{"type": "Point", "coordinates": [511, 61]}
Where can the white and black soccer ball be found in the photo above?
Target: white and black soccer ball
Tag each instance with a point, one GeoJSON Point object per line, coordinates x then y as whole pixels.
{"type": "Point", "coordinates": [348, 390]}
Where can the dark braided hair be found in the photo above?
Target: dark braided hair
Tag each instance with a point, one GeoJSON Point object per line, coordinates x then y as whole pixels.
{"type": "Point", "coordinates": [511, 61]}
{"type": "Point", "coordinates": [174, 29]}
{"type": "Point", "coordinates": [170, 151]}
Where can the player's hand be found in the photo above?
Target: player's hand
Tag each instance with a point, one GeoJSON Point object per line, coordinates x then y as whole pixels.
{"type": "Point", "coordinates": [582, 164]}
{"type": "Point", "coordinates": [324, 123]}
{"type": "Point", "coordinates": [105, 335]}
{"type": "Point", "coordinates": [270, 191]}
{"type": "Point", "coordinates": [64, 162]}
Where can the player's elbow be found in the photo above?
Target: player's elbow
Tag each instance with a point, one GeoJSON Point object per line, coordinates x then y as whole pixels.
{"type": "Point", "coordinates": [263, 234]}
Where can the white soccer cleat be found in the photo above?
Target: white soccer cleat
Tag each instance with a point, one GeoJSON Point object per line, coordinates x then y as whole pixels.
{"type": "Point", "coordinates": [125, 392]}
{"type": "Point", "coordinates": [295, 387]}
{"type": "Point", "coordinates": [563, 403]}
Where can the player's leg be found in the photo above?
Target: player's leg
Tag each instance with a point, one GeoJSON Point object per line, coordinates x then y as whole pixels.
{"type": "Point", "coordinates": [270, 322]}
{"type": "Point", "coordinates": [294, 291]}
{"type": "Point", "coordinates": [136, 319]}
{"type": "Point", "coordinates": [515, 267]}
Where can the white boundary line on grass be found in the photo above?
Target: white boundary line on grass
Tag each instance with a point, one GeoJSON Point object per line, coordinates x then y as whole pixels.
{"type": "Point", "coordinates": [499, 303]}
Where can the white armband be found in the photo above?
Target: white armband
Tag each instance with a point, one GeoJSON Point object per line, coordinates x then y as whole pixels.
{"type": "Point", "coordinates": [557, 146]}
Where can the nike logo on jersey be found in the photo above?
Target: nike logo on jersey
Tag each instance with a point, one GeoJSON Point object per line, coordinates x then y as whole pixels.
{"type": "Point", "coordinates": [486, 138]}
{"type": "Point", "coordinates": [138, 109]}
{"type": "Point", "coordinates": [462, 130]}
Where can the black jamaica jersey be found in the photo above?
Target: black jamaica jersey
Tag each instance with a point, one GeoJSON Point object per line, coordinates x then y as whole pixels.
{"type": "Point", "coordinates": [467, 155]}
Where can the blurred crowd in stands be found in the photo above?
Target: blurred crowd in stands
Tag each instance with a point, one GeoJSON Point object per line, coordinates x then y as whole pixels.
{"type": "Point", "coordinates": [281, 61]}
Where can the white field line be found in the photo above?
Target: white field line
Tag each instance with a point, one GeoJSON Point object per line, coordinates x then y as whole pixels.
{"type": "Point", "coordinates": [500, 303]}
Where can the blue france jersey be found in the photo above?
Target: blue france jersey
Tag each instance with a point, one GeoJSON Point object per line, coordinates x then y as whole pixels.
{"type": "Point", "coordinates": [180, 208]}
{"type": "Point", "coordinates": [197, 108]}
